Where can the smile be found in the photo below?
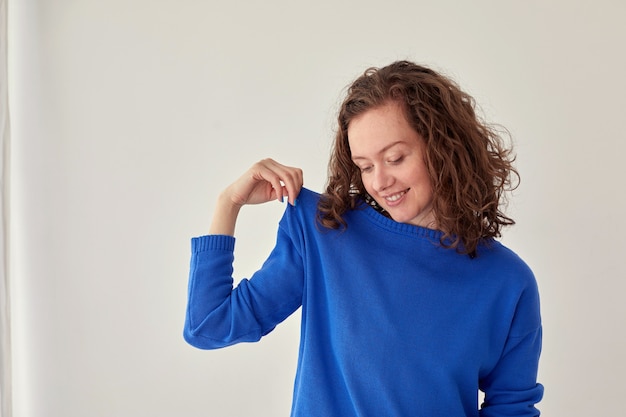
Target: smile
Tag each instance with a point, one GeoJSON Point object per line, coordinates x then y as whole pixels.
{"type": "Point", "coordinates": [395, 197]}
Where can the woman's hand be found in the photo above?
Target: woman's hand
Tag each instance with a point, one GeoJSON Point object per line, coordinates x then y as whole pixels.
{"type": "Point", "coordinates": [265, 181]}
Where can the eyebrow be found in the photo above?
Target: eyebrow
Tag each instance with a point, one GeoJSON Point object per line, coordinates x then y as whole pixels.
{"type": "Point", "coordinates": [383, 150]}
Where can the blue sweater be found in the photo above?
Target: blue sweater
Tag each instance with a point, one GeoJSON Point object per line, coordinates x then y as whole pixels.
{"type": "Point", "coordinates": [393, 324]}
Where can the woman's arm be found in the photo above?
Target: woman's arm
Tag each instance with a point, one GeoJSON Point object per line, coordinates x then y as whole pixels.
{"type": "Point", "coordinates": [219, 315]}
{"type": "Point", "coordinates": [511, 388]}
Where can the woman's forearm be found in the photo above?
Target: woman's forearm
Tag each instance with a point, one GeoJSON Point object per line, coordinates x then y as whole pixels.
{"type": "Point", "coordinates": [224, 216]}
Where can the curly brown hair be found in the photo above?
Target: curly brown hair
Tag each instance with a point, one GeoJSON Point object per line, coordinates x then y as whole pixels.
{"type": "Point", "coordinates": [470, 167]}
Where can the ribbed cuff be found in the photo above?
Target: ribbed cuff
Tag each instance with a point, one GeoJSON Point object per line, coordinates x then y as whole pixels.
{"type": "Point", "coordinates": [212, 242]}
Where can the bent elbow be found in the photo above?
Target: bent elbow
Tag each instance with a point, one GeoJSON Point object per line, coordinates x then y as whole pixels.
{"type": "Point", "coordinates": [218, 336]}
{"type": "Point", "coordinates": [199, 341]}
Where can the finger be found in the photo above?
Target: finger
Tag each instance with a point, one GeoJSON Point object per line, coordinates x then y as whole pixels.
{"type": "Point", "coordinates": [294, 185]}
{"type": "Point", "coordinates": [273, 175]}
{"type": "Point", "coordinates": [280, 192]}
{"type": "Point", "coordinates": [277, 192]}
{"type": "Point", "coordinates": [285, 180]}
{"type": "Point", "coordinates": [263, 172]}
{"type": "Point", "coordinates": [292, 179]}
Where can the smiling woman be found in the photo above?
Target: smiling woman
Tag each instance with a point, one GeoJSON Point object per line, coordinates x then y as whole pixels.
{"type": "Point", "coordinates": [460, 163]}
{"type": "Point", "coordinates": [129, 118]}
{"type": "Point", "coordinates": [391, 157]}
{"type": "Point", "coordinates": [397, 319]}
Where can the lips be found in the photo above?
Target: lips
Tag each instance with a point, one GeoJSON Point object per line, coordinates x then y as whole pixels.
{"type": "Point", "coordinates": [392, 198]}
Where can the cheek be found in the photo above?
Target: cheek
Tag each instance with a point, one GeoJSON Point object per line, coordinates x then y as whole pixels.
{"type": "Point", "coordinates": [421, 182]}
{"type": "Point", "coordinates": [367, 184]}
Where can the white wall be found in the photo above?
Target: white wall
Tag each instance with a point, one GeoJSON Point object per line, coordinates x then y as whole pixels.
{"type": "Point", "coordinates": [128, 117]}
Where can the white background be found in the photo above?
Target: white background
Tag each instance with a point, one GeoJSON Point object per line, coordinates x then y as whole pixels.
{"type": "Point", "coordinates": [128, 117]}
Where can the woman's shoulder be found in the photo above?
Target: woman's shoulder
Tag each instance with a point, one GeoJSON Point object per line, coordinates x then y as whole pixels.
{"type": "Point", "coordinates": [305, 208]}
{"type": "Point", "coordinates": [508, 263]}
{"type": "Point", "coordinates": [306, 203]}
{"type": "Point", "coordinates": [307, 197]}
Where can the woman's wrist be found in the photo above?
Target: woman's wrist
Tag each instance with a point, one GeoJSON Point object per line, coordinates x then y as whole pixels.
{"type": "Point", "coordinates": [224, 216]}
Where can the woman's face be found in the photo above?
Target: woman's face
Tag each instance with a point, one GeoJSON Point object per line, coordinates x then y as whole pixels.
{"type": "Point", "coordinates": [390, 156]}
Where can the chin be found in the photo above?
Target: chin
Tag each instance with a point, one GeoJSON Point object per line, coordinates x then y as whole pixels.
{"type": "Point", "coordinates": [401, 218]}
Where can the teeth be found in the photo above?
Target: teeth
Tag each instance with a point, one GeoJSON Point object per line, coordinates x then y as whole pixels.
{"type": "Point", "coordinates": [395, 197]}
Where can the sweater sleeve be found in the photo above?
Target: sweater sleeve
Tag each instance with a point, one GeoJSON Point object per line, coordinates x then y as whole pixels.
{"type": "Point", "coordinates": [219, 315]}
{"type": "Point", "coordinates": [511, 387]}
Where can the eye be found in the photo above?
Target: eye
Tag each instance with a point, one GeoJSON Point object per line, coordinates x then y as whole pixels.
{"type": "Point", "coordinates": [366, 169]}
{"type": "Point", "coordinates": [395, 161]}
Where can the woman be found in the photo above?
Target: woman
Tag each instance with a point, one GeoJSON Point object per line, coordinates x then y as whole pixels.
{"type": "Point", "coordinates": [409, 304]}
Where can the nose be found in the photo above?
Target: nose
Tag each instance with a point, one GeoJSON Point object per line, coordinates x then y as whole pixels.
{"type": "Point", "coordinates": [382, 179]}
